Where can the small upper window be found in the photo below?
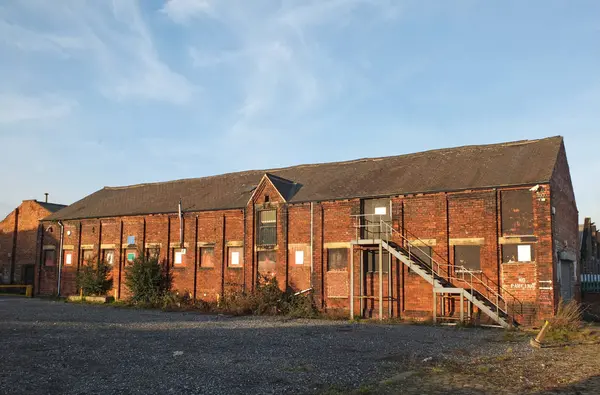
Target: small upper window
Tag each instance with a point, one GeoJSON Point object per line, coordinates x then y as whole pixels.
{"type": "Point", "coordinates": [267, 199]}
{"type": "Point", "coordinates": [518, 253]}
{"type": "Point", "coordinates": [49, 257]}
{"type": "Point", "coordinates": [88, 257]}
{"type": "Point", "coordinates": [267, 227]}
{"type": "Point", "coordinates": [179, 256]}
{"type": "Point", "coordinates": [236, 256]}
{"type": "Point", "coordinates": [207, 257]}
{"type": "Point", "coordinates": [108, 257]}
{"type": "Point", "coordinates": [468, 257]}
{"type": "Point", "coordinates": [131, 240]}
{"type": "Point", "coordinates": [337, 259]}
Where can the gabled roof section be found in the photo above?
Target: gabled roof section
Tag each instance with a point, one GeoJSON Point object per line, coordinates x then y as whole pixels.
{"type": "Point", "coordinates": [469, 167]}
{"type": "Point", "coordinates": [286, 188]}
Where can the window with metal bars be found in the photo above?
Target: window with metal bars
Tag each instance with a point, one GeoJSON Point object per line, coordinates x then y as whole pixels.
{"type": "Point", "coordinates": [267, 228]}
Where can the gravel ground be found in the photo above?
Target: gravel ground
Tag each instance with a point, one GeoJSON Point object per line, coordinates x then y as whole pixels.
{"type": "Point", "coordinates": [50, 347]}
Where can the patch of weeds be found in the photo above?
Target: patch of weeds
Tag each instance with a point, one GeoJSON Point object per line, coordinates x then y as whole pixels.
{"type": "Point", "coordinates": [437, 369]}
{"type": "Point", "coordinates": [365, 389]}
{"type": "Point", "coordinates": [484, 369]}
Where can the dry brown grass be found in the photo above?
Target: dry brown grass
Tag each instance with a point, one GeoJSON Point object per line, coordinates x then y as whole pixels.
{"type": "Point", "coordinates": [569, 316]}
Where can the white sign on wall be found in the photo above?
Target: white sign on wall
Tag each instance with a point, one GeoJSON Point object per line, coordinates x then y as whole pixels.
{"type": "Point", "coordinates": [380, 210]}
{"type": "Point", "coordinates": [235, 258]}
{"type": "Point", "coordinates": [524, 253]}
{"type": "Point", "coordinates": [299, 257]}
{"type": "Point", "coordinates": [178, 257]}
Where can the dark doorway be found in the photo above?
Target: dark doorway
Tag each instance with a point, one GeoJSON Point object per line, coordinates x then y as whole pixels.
{"type": "Point", "coordinates": [28, 274]}
{"type": "Point", "coordinates": [374, 211]}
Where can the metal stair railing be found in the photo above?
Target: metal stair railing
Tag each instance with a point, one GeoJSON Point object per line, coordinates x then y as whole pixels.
{"type": "Point", "coordinates": [476, 281]}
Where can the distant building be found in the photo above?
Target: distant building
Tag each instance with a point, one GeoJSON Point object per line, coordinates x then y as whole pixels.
{"type": "Point", "coordinates": [590, 256]}
{"type": "Point", "coordinates": [19, 233]}
{"type": "Point", "coordinates": [460, 233]}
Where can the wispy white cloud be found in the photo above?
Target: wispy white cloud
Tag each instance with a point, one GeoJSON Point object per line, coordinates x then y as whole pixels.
{"type": "Point", "coordinates": [182, 11]}
{"type": "Point", "coordinates": [28, 40]}
{"type": "Point", "coordinates": [111, 40]}
{"type": "Point", "coordinates": [18, 108]}
{"type": "Point", "coordinates": [284, 75]}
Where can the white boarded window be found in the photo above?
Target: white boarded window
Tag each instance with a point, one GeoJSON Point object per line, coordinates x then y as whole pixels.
{"type": "Point", "coordinates": [380, 210]}
{"type": "Point", "coordinates": [178, 257]}
{"type": "Point", "coordinates": [299, 257]}
{"type": "Point", "coordinates": [68, 258]}
{"type": "Point", "coordinates": [235, 258]}
{"type": "Point", "coordinates": [524, 253]}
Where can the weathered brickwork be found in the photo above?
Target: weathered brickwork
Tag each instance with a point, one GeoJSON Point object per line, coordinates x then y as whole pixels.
{"type": "Point", "coordinates": [441, 221]}
{"type": "Point", "coordinates": [21, 238]}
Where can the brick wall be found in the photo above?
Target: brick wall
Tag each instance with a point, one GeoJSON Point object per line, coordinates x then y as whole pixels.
{"type": "Point", "coordinates": [441, 219]}
{"type": "Point", "coordinates": [565, 224]}
{"type": "Point", "coordinates": [26, 241]}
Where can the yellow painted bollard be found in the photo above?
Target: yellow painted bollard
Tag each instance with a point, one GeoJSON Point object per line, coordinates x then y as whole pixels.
{"type": "Point", "coordinates": [537, 342]}
{"type": "Point", "coordinates": [29, 291]}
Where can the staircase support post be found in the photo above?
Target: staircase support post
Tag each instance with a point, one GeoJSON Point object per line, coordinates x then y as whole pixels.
{"type": "Point", "coordinates": [380, 280]}
{"type": "Point", "coordinates": [389, 285]}
{"type": "Point", "coordinates": [462, 307]}
{"type": "Point", "coordinates": [434, 306]}
{"type": "Point", "coordinates": [361, 286]}
{"type": "Point", "coordinates": [352, 282]}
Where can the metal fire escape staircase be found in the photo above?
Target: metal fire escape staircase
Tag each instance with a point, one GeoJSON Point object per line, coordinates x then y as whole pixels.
{"type": "Point", "coordinates": [471, 286]}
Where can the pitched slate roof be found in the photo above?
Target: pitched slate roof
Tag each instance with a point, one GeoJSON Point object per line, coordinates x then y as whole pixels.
{"type": "Point", "coordinates": [52, 207]}
{"type": "Point", "coordinates": [467, 167]}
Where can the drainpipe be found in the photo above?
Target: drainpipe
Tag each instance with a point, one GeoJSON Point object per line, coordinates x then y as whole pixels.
{"type": "Point", "coordinates": [244, 251]}
{"type": "Point", "coordinates": [311, 244]}
{"type": "Point", "coordinates": [180, 226]}
{"type": "Point", "coordinates": [60, 255]}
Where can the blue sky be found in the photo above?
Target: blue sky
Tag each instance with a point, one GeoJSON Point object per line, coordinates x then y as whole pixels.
{"type": "Point", "coordinates": [96, 93]}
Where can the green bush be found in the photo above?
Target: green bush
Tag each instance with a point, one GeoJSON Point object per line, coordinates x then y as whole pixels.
{"type": "Point", "coordinates": [93, 278]}
{"type": "Point", "coordinates": [148, 281]}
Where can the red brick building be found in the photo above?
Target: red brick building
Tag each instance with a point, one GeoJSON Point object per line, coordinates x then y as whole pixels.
{"type": "Point", "coordinates": [478, 231]}
{"type": "Point", "coordinates": [19, 234]}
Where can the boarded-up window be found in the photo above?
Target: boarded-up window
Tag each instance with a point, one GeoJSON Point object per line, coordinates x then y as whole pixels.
{"type": "Point", "coordinates": [517, 212]}
{"type": "Point", "coordinates": [152, 252]}
{"type": "Point", "coordinates": [267, 227]}
{"type": "Point", "coordinates": [267, 262]}
{"type": "Point", "coordinates": [108, 256]}
{"type": "Point", "coordinates": [49, 257]}
{"type": "Point", "coordinates": [337, 259]}
{"type": "Point", "coordinates": [179, 256]}
{"type": "Point", "coordinates": [130, 256]}
{"type": "Point", "coordinates": [207, 257]}
{"type": "Point", "coordinates": [88, 257]}
{"type": "Point", "coordinates": [467, 256]}
{"type": "Point", "coordinates": [68, 258]}
{"type": "Point", "coordinates": [371, 261]}
{"type": "Point", "coordinates": [518, 253]}
{"type": "Point", "coordinates": [236, 257]}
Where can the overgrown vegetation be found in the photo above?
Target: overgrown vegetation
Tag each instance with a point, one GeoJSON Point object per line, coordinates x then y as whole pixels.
{"type": "Point", "coordinates": [148, 282]}
{"type": "Point", "coordinates": [268, 299]}
{"type": "Point", "coordinates": [93, 278]}
{"type": "Point", "coordinates": [569, 316]}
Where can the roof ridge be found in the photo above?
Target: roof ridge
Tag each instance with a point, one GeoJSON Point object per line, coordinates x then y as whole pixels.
{"type": "Point", "coordinates": [306, 165]}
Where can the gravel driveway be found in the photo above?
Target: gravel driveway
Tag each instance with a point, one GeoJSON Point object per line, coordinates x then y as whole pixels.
{"type": "Point", "coordinates": [50, 347]}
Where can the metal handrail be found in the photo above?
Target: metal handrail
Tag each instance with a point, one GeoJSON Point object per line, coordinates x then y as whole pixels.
{"type": "Point", "coordinates": [466, 275]}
